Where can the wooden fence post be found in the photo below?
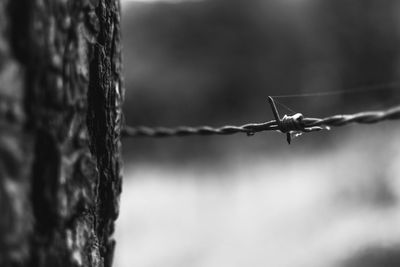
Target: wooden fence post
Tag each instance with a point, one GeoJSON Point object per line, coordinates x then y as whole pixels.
{"type": "Point", "coordinates": [60, 121]}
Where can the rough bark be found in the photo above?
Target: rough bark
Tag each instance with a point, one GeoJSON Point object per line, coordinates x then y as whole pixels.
{"type": "Point", "coordinates": [60, 121]}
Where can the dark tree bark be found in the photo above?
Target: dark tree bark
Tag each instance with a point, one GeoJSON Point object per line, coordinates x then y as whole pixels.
{"type": "Point", "coordinates": [60, 122]}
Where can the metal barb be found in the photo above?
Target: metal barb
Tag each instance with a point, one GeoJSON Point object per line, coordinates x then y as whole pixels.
{"type": "Point", "coordinates": [290, 124]}
{"type": "Point", "coordinates": [275, 111]}
{"type": "Point", "coordinates": [278, 119]}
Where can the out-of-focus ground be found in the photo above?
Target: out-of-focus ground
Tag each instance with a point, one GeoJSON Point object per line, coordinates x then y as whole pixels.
{"type": "Point", "coordinates": [332, 206]}
{"type": "Point", "coordinates": [329, 199]}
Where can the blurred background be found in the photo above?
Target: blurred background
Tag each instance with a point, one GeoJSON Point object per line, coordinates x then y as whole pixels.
{"type": "Point", "coordinates": [329, 199]}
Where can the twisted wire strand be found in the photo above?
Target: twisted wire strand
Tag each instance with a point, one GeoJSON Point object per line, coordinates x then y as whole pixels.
{"type": "Point", "coordinates": [251, 128]}
{"type": "Point", "coordinates": [366, 117]}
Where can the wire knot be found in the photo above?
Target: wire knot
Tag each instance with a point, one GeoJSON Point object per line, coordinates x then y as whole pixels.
{"type": "Point", "coordinates": [291, 123]}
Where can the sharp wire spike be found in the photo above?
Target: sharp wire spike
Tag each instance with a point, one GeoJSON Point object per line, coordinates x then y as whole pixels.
{"type": "Point", "coordinates": [279, 120]}
{"type": "Point", "coordinates": [274, 111]}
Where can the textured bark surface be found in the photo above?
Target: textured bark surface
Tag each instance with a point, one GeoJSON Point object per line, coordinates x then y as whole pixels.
{"type": "Point", "coordinates": [60, 121]}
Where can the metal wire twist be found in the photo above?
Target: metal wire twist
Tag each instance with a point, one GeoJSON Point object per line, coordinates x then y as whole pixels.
{"type": "Point", "coordinates": [252, 128]}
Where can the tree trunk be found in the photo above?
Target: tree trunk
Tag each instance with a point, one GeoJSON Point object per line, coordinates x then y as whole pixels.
{"type": "Point", "coordinates": [60, 122]}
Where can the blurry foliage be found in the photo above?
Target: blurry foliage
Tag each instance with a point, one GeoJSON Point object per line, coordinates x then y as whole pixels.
{"type": "Point", "coordinates": [215, 62]}
{"type": "Point", "coordinates": [375, 257]}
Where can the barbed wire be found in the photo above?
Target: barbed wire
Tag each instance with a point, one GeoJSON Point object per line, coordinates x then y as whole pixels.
{"type": "Point", "coordinates": [296, 123]}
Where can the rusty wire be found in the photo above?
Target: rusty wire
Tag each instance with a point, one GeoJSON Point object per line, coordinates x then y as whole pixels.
{"type": "Point", "coordinates": [295, 123]}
